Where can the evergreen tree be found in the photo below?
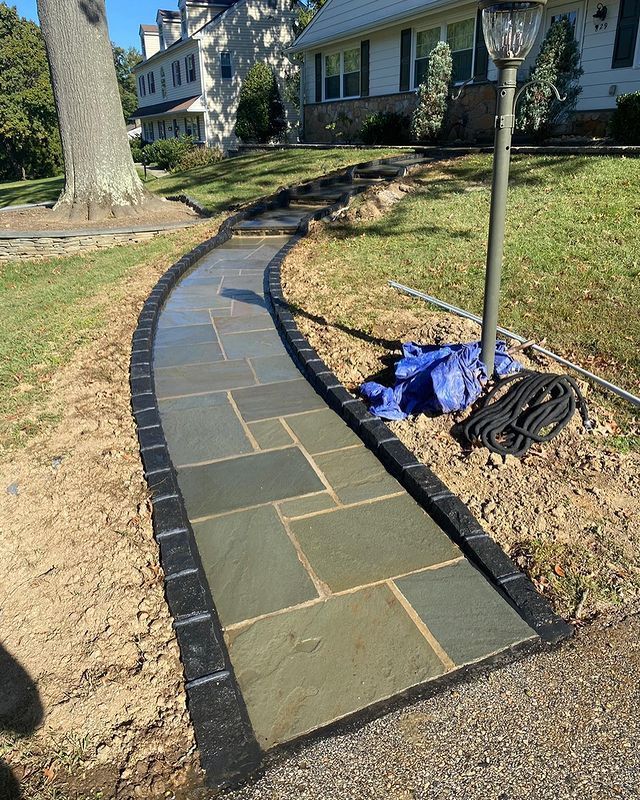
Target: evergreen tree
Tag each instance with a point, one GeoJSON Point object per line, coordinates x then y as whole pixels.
{"type": "Point", "coordinates": [433, 95]}
{"type": "Point", "coordinates": [306, 11]}
{"type": "Point", "coordinates": [260, 116]}
{"type": "Point", "coordinates": [125, 61]}
{"type": "Point", "coordinates": [29, 140]}
{"type": "Point", "coordinates": [558, 62]}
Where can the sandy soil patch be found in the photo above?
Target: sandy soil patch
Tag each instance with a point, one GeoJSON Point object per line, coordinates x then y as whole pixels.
{"type": "Point", "coordinates": [568, 513]}
{"type": "Point", "coordinates": [86, 637]}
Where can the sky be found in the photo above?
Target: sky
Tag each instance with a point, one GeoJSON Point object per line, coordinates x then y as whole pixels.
{"type": "Point", "coordinates": [125, 17]}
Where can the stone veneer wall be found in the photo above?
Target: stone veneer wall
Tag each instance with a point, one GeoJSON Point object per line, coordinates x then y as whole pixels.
{"type": "Point", "coordinates": [47, 244]}
{"type": "Point", "coordinates": [471, 116]}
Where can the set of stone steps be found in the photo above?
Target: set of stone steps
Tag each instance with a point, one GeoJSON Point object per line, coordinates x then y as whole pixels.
{"type": "Point", "coordinates": [307, 199]}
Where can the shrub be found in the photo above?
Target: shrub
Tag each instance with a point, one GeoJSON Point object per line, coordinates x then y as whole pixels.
{"type": "Point", "coordinates": [199, 157]}
{"type": "Point", "coordinates": [385, 127]}
{"type": "Point", "coordinates": [136, 144]}
{"type": "Point", "coordinates": [625, 122]}
{"type": "Point", "coordinates": [166, 153]}
{"type": "Point", "coordinates": [433, 95]}
{"type": "Point", "coordinates": [260, 117]}
{"type": "Point", "coordinates": [558, 62]}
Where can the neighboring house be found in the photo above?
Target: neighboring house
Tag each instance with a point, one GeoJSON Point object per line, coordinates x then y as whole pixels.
{"type": "Point", "coordinates": [194, 62]}
{"type": "Point", "coordinates": [363, 56]}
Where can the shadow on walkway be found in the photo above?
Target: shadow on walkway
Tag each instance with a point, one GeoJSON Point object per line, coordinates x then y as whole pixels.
{"type": "Point", "coordinates": [21, 713]}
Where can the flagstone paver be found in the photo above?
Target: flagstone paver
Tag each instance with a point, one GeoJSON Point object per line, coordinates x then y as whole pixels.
{"type": "Point", "coordinates": [335, 589]}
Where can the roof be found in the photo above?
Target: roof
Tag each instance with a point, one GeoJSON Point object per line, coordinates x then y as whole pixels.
{"type": "Point", "coordinates": [338, 20]}
{"type": "Point", "coordinates": [217, 18]}
{"type": "Point", "coordinates": [169, 107]}
{"type": "Point", "coordinates": [149, 29]}
{"type": "Point", "coordinates": [170, 14]}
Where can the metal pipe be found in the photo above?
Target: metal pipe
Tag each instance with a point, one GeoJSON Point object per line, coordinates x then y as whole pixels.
{"type": "Point", "coordinates": [631, 398]}
{"type": "Point", "coordinates": [505, 123]}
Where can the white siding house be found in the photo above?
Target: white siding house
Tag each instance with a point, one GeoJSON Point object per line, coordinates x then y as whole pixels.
{"type": "Point", "coordinates": [364, 55]}
{"type": "Point", "coordinates": [196, 59]}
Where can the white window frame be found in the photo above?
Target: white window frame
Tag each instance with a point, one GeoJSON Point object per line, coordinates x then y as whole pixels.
{"type": "Point", "coordinates": [341, 96]}
{"type": "Point", "coordinates": [222, 66]}
{"type": "Point", "coordinates": [190, 59]}
{"type": "Point", "coordinates": [427, 26]}
{"type": "Point", "coordinates": [175, 70]}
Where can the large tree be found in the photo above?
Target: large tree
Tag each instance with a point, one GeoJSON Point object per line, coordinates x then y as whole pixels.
{"type": "Point", "coordinates": [124, 62]}
{"type": "Point", "coordinates": [100, 177]}
{"type": "Point", "coordinates": [29, 141]}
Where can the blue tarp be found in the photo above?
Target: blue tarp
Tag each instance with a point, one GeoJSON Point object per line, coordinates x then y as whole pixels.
{"type": "Point", "coordinates": [435, 379]}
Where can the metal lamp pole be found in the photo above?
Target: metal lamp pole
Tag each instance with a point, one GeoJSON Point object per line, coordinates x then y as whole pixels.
{"type": "Point", "coordinates": [505, 123]}
{"type": "Point", "coordinates": [510, 29]}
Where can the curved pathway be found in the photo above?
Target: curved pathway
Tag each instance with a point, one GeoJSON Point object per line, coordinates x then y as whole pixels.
{"type": "Point", "coordinates": [333, 589]}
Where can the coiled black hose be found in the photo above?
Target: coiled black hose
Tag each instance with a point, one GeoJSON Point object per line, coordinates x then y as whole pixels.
{"type": "Point", "coordinates": [535, 409]}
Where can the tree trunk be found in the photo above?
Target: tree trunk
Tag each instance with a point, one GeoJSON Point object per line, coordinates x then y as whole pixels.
{"type": "Point", "coordinates": [100, 177]}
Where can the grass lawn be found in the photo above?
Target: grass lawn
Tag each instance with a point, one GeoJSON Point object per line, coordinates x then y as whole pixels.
{"type": "Point", "coordinates": [48, 308]}
{"type": "Point", "coordinates": [238, 180]}
{"type": "Point", "coordinates": [20, 193]}
{"type": "Point", "coordinates": [572, 255]}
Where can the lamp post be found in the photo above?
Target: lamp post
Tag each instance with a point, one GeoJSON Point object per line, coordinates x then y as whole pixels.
{"type": "Point", "coordinates": [510, 29]}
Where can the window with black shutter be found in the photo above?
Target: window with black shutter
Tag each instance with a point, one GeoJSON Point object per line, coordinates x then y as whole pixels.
{"type": "Point", "coordinates": [626, 34]}
{"type": "Point", "coordinates": [364, 68]}
{"type": "Point", "coordinates": [318, 77]}
{"type": "Point", "coordinates": [481, 60]}
{"type": "Point", "coordinates": [405, 59]}
{"type": "Point", "coordinates": [175, 71]}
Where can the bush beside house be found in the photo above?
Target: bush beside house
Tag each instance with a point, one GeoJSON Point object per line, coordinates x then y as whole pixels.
{"type": "Point", "coordinates": [261, 116]}
{"type": "Point", "coordinates": [558, 62]}
{"type": "Point", "coordinates": [625, 122]}
{"type": "Point", "coordinates": [433, 95]}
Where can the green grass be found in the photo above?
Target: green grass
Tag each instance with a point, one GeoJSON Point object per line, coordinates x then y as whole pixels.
{"type": "Point", "coordinates": [48, 308]}
{"type": "Point", "coordinates": [572, 255]}
{"type": "Point", "coordinates": [238, 180]}
{"type": "Point", "coordinates": [20, 193]}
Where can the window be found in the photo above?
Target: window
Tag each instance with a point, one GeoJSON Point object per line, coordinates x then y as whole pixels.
{"type": "Point", "coordinates": [572, 16]}
{"type": "Point", "coordinates": [626, 34]}
{"type": "Point", "coordinates": [162, 130]}
{"type": "Point", "coordinates": [176, 128]}
{"type": "Point", "coordinates": [190, 68]}
{"type": "Point", "coordinates": [425, 42]}
{"type": "Point", "coordinates": [460, 39]}
{"type": "Point", "coordinates": [147, 129]}
{"type": "Point", "coordinates": [332, 76]}
{"type": "Point", "coordinates": [151, 83]}
{"type": "Point", "coordinates": [225, 66]}
{"type": "Point", "coordinates": [141, 87]}
{"type": "Point", "coordinates": [351, 73]}
{"type": "Point", "coordinates": [175, 72]}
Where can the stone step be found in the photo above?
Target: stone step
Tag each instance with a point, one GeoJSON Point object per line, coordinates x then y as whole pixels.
{"type": "Point", "coordinates": [383, 172]}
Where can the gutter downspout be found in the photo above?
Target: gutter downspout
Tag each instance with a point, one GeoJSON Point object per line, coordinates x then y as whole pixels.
{"type": "Point", "coordinates": [207, 119]}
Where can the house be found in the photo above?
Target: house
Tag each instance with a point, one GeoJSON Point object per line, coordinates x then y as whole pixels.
{"type": "Point", "coordinates": [364, 56]}
{"type": "Point", "coordinates": [195, 60]}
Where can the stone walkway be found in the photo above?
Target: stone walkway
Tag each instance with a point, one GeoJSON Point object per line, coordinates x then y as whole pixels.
{"type": "Point", "coordinates": [335, 589]}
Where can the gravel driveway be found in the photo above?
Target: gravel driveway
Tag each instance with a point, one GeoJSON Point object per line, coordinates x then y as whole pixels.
{"type": "Point", "coordinates": [563, 723]}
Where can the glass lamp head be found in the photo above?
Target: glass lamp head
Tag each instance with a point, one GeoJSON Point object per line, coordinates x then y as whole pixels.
{"type": "Point", "coordinates": [510, 28]}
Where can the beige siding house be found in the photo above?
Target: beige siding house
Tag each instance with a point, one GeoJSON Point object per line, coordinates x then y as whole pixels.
{"type": "Point", "coordinates": [364, 55]}
{"type": "Point", "coordinates": [194, 62]}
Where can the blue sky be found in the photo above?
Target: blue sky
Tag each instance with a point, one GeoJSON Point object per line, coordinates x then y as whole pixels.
{"type": "Point", "coordinates": [124, 16]}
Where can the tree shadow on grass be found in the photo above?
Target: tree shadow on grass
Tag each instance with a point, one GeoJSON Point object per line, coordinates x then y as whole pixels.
{"type": "Point", "coordinates": [21, 713]}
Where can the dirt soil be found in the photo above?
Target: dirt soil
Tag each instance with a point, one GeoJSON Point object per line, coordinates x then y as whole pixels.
{"type": "Point", "coordinates": [45, 219]}
{"type": "Point", "coordinates": [568, 513]}
{"type": "Point", "coordinates": [87, 656]}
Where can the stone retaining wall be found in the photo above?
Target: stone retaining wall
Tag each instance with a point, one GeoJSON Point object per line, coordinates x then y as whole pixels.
{"type": "Point", "coordinates": [471, 117]}
{"type": "Point", "coordinates": [15, 246]}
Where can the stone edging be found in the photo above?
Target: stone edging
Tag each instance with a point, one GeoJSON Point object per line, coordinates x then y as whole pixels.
{"type": "Point", "coordinates": [227, 744]}
{"type": "Point", "coordinates": [420, 482]}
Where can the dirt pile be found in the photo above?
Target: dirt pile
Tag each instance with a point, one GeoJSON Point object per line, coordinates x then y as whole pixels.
{"type": "Point", "coordinates": [568, 513]}
{"type": "Point", "coordinates": [83, 612]}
